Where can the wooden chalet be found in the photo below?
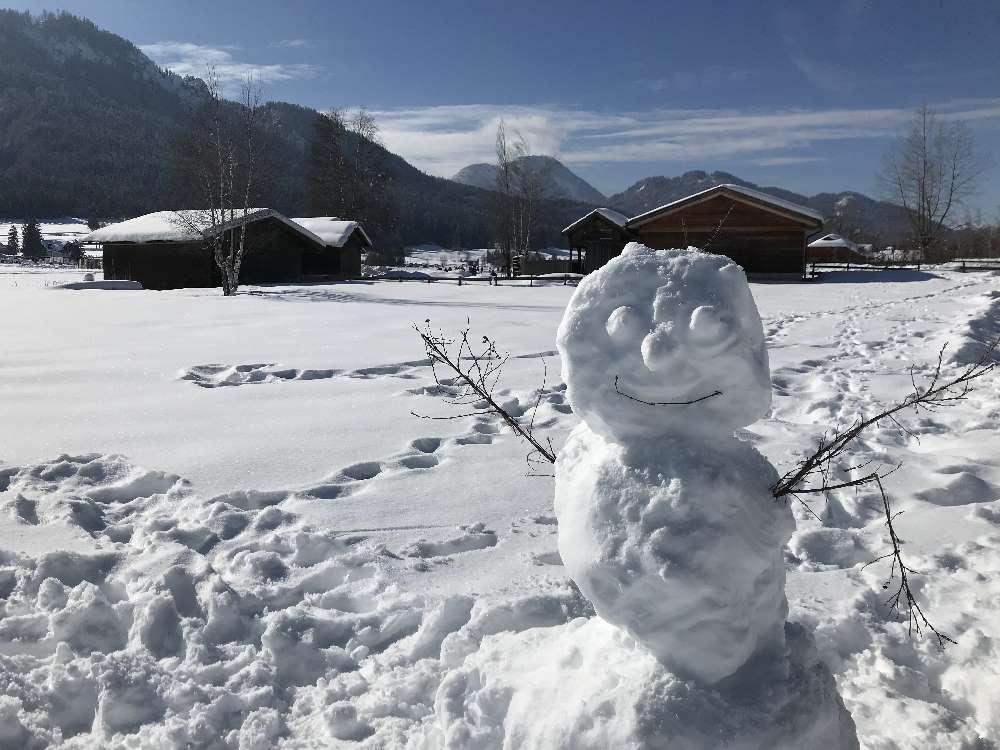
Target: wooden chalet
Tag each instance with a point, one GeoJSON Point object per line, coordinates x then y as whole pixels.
{"type": "Point", "coordinates": [834, 248]}
{"type": "Point", "coordinates": [596, 238]}
{"type": "Point", "coordinates": [170, 250]}
{"type": "Point", "coordinates": [764, 234]}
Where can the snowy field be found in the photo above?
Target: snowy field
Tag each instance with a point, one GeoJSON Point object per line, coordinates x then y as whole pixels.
{"type": "Point", "coordinates": [222, 526]}
{"type": "Point", "coordinates": [59, 230]}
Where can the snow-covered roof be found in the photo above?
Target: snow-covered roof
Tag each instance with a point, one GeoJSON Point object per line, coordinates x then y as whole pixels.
{"type": "Point", "coordinates": [611, 215]}
{"type": "Point", "coordinates": [834, 240]}
{"type": "Point", "coordinates": [765, 198]}
{"type": "Point", "coordinates": [331, 230]}
{"type": "Point", "coordinates": [169, 226]}
{"type": "Point", "coordinates": [195, 224]}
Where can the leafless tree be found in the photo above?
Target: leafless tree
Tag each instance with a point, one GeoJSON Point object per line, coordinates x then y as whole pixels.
{"type": "Point", "coordinates": [929, 172]}
{"type": "Point", "coordinates": [519, 191]}
{"type": "Point", "coordinates": [222, 154]}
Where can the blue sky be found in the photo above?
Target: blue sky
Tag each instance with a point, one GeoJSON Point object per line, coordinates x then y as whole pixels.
{"type": "Point", "coordinates": [805, 95]}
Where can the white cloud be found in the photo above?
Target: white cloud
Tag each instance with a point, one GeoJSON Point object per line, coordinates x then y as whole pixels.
{"type": "Point", "coordinates": [443, 139]}
{"type": "Point", "coordinates": [187, 59]}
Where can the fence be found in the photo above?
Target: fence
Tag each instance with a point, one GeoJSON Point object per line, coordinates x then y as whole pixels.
{"type": "Point", "coordinates": [532, 267]}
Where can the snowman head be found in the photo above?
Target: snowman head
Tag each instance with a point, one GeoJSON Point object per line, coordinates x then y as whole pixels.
{"type": "Point", "coordinates": [662, 342]}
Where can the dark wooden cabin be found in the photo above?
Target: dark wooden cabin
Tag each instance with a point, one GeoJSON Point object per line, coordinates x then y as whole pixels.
{"type": "Point", "coordinates": [596, 238]}
{"type": "Point", "coordinates": [348, 238]}
{"type": "Point", "coordinates": [764, 234]}
{"type": "Point", "coordinates": [162, 252]}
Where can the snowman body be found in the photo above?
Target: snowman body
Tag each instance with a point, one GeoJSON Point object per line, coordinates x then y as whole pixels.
{"type": "Point", "coordinates": [666, 519]}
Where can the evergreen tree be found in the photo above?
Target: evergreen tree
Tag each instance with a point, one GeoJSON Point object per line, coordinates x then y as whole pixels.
{"type": "Point", "coordinates": [31, 240]}
{"type": "Point", "coordinates": [13, 243]}
{"type": "Point", "coordinates": [329, 184]}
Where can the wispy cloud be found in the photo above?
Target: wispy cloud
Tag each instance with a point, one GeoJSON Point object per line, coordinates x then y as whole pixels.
{"type": "Point", "coordinates": [443, 139]}
{"type": "Point", "coordinates": [701, 78]}
{"type": "Point", "coordinates": [185, 58]}
{"type": "Point", "coordinates": [785, 161]}
{"type": "Point", "coordinates": [292, 43]}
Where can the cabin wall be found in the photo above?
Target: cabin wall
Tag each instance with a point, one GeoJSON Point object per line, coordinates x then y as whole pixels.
{"type": "Point", "coordinates": [350, 256]}
{"type": "Point", "coordinates": [334, 261]}
{"type": "Point", "coordinates": [756, 252]}
{"type": "Point", "coordinates": [164, 265]}
{"type": "Point", "coordinates": [272, 253]}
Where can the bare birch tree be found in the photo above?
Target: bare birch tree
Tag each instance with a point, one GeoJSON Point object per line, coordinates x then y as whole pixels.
{"type": "Point", "coordinates": [519, 191]}
{"type": "Point", "coordinates": [929, 172]}
{"type": "Point", "coordinates": [222, 151]}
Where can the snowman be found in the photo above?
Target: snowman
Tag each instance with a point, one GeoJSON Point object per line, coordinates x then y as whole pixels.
{"type": "Point", "coordinates": [668, 526]}
{"type": "Point", "coordinates": [666, 518]}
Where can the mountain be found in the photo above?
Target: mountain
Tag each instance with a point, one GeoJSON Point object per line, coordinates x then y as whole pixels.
{"type": "Point", "coordinates": [849, 213]}
{"type": "Point", "coordinates": [88, 124]}
{"type": "Point", "coordinates": [557, 180]}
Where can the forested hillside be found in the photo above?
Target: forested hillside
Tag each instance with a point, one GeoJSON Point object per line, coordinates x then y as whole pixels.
{"type": "Point", "coordinates": [88, 125]}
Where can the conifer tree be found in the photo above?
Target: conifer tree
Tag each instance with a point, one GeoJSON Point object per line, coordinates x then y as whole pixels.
{"type": "Point", "coordinates": [31, 240]}
{"type": "Point", "coordinates": [13, 243]}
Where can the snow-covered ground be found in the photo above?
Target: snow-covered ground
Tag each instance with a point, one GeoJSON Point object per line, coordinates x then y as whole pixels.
{"type": "Point", "coordinates": [222, 526]}
{"type": "Point", "coordinates": [437, 257]}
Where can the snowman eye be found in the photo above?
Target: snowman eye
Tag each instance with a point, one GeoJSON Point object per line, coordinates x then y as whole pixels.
{"type": "Point", "coordinates": [706, 326]}
{"type": "Point", "coordinates": [625, 324]}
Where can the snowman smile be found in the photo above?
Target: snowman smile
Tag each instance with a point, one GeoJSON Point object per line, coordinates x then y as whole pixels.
{"type": "Point", "coordinates": [678, 402]}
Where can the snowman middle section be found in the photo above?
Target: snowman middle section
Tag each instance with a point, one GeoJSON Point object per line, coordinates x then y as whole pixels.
{"type": "Point", "coordinates": [677, 540]}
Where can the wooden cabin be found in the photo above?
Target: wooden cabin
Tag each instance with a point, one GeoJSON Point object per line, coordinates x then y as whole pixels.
{"type": "Point", "coordinates": [764, 234]}
{"type": "Point", "coordinates": [596, 238]}
{"type": "Point", "coordinates": [348, 238]}
{"type": "Point", "coordinates": [172, 249]}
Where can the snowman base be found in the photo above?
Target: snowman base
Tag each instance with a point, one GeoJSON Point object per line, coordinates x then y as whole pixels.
{"type": "Point", "coordinates": [587, 684]}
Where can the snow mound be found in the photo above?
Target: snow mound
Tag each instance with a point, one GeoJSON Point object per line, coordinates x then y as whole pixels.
{"type": "Point", "coordinates": [600, 690]}
{"type": "Point", "coordinates": [664, 326]}
{"type": "Point", "coordinates": [981, 331]}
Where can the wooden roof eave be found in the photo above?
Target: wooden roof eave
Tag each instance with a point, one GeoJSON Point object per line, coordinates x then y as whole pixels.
{"type": "Point", "coordinates": [584, 220]}
{"type": "Point", "coordinates": [672, 208]}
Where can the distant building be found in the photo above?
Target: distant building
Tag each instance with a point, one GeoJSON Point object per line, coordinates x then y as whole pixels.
{"type": "Point", "coordinates": [168, 249]}
{"type": "Point", "coordinates": [596, 238]}
{"type": "Point", "coordinates": [349, 237]}
{"type": "Point", "coordinates": [835, 248]}
{"type": "Point", "coordinates": [764, 234]}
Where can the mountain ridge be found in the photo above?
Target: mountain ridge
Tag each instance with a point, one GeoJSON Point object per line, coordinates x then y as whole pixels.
{"type": "Point", "coordinates": [849, 212]}
{"type": "Point", "coordinates": [557, 180]}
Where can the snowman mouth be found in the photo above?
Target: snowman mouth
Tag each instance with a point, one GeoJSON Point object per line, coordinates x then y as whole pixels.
{"type": "Point", "coordinates": [688, 402]}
